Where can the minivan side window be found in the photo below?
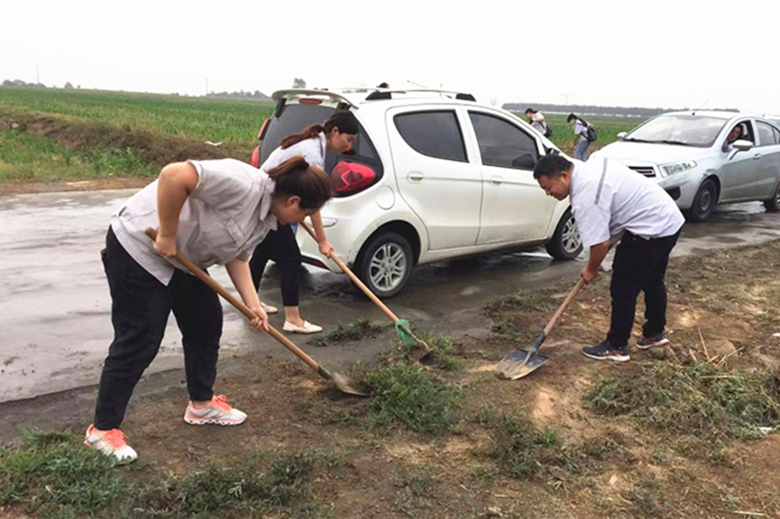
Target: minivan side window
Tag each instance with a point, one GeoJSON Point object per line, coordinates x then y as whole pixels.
{"type": "Point", "coordinates": [502, 144]}
{"type": "Point", "coordinates": [766, 134]}
{"type": "Point", "coordinates": [433, 133]}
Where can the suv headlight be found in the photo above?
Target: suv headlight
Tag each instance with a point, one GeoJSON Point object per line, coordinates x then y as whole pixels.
{"type": "Point", "coordinates": [677, 167]}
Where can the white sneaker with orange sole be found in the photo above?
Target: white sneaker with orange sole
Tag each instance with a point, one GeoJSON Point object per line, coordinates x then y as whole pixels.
{"type": "Point", "coordinates": [217, 412]}
{"type": "Point", "coordinates": [110, 443]}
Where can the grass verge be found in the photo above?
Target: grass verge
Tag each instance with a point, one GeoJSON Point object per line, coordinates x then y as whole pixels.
{"type": "Point", "coordinates": [52, 475]}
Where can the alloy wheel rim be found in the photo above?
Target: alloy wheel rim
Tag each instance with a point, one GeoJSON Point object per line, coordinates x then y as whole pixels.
{"type": "Point", "coordinates": [388, 266]}
{"type": "Point", "coordinates": [571, 236]}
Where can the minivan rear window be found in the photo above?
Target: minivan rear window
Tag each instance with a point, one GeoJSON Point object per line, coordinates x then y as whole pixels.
{"type": "Point", "coordinates": [296, 117]}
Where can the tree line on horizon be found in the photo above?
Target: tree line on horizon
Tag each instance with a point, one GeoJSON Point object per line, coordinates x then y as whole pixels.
{"type": "Point", "coordinates": [625, 111]}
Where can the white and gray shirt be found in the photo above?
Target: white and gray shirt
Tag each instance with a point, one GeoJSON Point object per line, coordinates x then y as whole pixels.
{"type": "Point", "coordinates": [225, 217]}
{"type": "Point", "coordinates": [608, 199]}
{"type": "Point", "coordinates": [313, 150]}
{"type": "Point", "coordinates": [580, 130]}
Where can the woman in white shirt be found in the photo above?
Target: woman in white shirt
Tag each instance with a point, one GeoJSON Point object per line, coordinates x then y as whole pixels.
{"type": "Point", "coordinates": [215, 212]}
{"type": "Point", "coordinates": [313, 142]}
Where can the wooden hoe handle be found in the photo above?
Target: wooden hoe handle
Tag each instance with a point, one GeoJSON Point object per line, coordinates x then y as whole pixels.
{"type": "Point", "coordinates": [233, 300]}
{"type": "Point", "coordinates": [354, 278]}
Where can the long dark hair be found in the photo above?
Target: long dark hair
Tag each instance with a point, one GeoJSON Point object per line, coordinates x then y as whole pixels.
{"type": "Point", "coordinates": [344, 120]}
{"type": "Point", "coordinates": [295, 177]}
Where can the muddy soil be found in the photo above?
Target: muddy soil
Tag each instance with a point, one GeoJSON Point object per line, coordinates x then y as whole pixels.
{"type": "Point", "coordinates": [722, 307]}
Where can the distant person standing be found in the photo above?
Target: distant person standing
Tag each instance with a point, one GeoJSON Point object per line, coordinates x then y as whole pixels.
{"type": "Point", "coordinates": [581, 138]}
{"type": "Point", "coordinates": [536, 120]}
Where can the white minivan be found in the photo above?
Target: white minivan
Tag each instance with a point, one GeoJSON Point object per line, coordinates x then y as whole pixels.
{"type": "Point", "coordinates": [432, 176]}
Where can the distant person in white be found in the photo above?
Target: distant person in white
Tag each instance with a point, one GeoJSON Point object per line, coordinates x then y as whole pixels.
{"type": "Point", "coordinates": [612, 203]}
{"type": "Point", "coordinates": [536, 120]}
{"type": "Point", "coordinates": [581, 142]}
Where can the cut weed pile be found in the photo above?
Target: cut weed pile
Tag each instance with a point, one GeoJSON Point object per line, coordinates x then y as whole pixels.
{"type": "Point", "coordinates": [356, 331]}
{"type": "Point", "coordinates": [699, 399]}
{"type": "Point", "coordinates": [52, 475]}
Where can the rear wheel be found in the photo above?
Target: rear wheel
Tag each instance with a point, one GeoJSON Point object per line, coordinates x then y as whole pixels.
{"type": "Point", "coordinates": [385, 264]}
{"type": "Point", "coordinates": [773, 204]}
{"type": "Point", "coordinates": [565, 243]}
{"type": "Point", "coordinates": [704, 202]}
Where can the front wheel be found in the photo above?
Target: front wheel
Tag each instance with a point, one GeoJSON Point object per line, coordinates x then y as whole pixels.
{"type": "Point", "coordinates": [385, 264]}
{"type": "Point", "coordinates": [773, 204]}
{"type": "Point", "coordinates": [565, 243]}
{"type": "Point", "coordinates": [704, 202]}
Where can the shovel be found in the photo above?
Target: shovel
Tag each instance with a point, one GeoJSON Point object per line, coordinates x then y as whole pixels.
{"type": "Point", "coordinates": [521, 363]}
{"type": "Point", "coordinates": [342, 382]}
{"type": "Point", "coordinates": [401, 325]}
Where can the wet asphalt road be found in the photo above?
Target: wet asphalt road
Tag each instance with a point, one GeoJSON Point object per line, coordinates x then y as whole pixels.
{"type": "Point", "coordinates": [55, 308]}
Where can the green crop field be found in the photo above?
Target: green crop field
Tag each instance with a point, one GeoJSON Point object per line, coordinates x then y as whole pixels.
{"type": "Point", "coordinates": [47, 149]}
{"type": "Point", "coordinates": [70, 135]}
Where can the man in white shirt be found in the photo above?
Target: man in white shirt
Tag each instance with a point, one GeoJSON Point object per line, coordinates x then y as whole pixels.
{"type": "Point", "coordinates": [612, 203]}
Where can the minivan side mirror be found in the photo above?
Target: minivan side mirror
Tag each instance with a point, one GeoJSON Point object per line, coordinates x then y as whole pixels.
{"type": "Point", "coordinates": [621, 135]}
{"type": "Point", "coordinates": [739, 145]}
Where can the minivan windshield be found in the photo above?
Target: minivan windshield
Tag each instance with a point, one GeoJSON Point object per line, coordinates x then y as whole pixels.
{"type": "Point", "coordinates": [682, 130]}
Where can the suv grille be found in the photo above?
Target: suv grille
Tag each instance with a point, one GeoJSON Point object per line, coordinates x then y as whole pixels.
{"type": "Point", "coordinates": [647, 171]}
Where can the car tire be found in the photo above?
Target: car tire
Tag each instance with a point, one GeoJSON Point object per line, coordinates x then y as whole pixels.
{"type": "Point", "coordinates": [773, 204]}
{"type": "Point", "coordinates": [565, 243]}
{"type": "Point", "coordinates": [385, 264]}
{"type": "Point", "coordinates": [704, 202]}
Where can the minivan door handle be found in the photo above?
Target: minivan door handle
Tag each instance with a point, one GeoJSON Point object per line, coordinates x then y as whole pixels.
{"type": "Point", "coordinates": [496, 181]}
{"type": "Point", "coordinates": [415, 176]}
{"type": "Point", "coordinates": [756, 156]}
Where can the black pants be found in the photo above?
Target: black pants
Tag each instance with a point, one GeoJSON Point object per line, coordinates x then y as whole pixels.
{"type": "Point", "coordinates": [279, 245]}
{"type": "Point", "coordinates": [639, 266]}
{"type": "Point", "coordinates": [139, 312]}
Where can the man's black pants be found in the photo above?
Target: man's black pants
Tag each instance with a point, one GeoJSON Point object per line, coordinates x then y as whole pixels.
{"type": "Point", "coordinates": [139, 312]}
{"type": "Point", "coordinates": [279, 245]}
{"type": "Point", "coordinates": [639, 266]}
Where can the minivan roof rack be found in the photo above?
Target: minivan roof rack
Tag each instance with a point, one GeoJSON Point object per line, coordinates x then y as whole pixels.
{"type": "Point", "coordinates": [387, 93]}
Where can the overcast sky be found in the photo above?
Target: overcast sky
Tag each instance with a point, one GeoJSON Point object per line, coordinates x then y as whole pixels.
{"type": "Point", "coordinates": [628, 53]}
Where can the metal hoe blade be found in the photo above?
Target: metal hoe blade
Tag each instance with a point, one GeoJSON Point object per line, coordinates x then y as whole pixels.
{"type": "Point", "coordinates": [515, 365]}
{"type": "Point", "coordinates": [344, 385]}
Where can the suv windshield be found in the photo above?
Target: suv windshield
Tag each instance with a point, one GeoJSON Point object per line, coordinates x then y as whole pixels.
{"type": "Point", "coordinates": [684, 130]}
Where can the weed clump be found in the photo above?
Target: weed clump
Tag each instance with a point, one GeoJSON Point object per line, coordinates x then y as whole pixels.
{"type": "Point", "coordinates": [358, 330]}
{"type": "Point", "coordinates": [526, 452]}
{"type": "Point", "coordinates": [442, 354]}
{"type": "Point", "coordinates": [416, 397]}
{"type": "Point", "coordinates": [699, 399]}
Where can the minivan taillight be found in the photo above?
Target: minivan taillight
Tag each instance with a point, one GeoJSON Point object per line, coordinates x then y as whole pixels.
{"type": "Point", "coordinates": [256, 157]}
{"type": "Point", "coordinates": [350, 177]}
{"type": "Point", "coordinates": [263, 129]}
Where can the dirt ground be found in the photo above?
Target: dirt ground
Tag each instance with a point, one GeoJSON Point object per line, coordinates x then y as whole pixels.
{"type": "Point", "coordinates": [722, 308]}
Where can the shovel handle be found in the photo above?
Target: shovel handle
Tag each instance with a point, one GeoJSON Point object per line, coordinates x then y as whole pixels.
{"type": "Point", "coordinates": [389, 313]}
{"type": "Point", "coordinates": [564, 305]}
{"type": "Point", "coordinates": [241, 307]}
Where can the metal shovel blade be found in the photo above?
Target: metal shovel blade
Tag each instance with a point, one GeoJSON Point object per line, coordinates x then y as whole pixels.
{"type": "Point", "coordinates": [515, 366]}
{"type": "Point", "coordinates": [344, 384]}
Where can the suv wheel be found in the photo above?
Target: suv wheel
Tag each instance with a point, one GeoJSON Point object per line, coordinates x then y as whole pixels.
{"type": "Point", "coordinates": [773, 204]}
{"type": "Point", "coordinates": [566, 243]}
{"type": "Point", "coordinates": [385, 264]}
{"type": "Point", "coordinates": [704, 202]}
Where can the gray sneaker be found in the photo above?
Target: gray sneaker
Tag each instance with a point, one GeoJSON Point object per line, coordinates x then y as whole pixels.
{"type": "Point", "coordinates": [645, 343]}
